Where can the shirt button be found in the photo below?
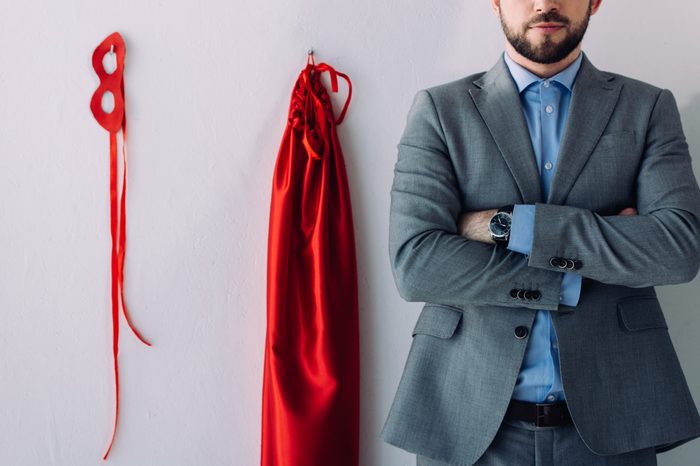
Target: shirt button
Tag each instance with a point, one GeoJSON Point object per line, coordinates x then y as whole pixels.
{"type": "Point", "coordinates": [549, 109]}
{"type": "Point", "coordinates": [546, 84]}
{"type": "Point", "coordinates": [561, 298]}
{"type": "Point", "coordinates": [548, 166]}
{"type": "Point", "coordinates": [551, 398]}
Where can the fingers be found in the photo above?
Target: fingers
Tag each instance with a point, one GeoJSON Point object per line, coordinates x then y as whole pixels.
{"type": "Point", "coordinates": [628, 211]}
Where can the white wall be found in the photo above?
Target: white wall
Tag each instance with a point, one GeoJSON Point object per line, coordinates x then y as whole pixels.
{"type": "Point", "coordinates": [208, 85]}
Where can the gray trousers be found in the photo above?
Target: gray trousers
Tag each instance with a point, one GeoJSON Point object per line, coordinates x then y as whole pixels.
{"type": "Point", "coordinates": [519, 443]}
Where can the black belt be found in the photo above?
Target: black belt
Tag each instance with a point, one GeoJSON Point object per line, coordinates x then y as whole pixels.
{"type": "Point", "coordinates": [540, 414]}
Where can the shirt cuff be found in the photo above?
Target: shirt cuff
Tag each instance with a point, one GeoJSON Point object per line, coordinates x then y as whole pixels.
{"type": "Point", "coordinates": [522, 229]}
{"type": "Point", "coordinates": [570, 289]}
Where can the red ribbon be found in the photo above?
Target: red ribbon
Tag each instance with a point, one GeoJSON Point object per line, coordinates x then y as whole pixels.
{"type": "Point", "coordinates": [113, 122]}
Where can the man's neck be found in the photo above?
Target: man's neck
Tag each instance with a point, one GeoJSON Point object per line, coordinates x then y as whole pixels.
{"type": "Point", "coordinates": [543, 70]}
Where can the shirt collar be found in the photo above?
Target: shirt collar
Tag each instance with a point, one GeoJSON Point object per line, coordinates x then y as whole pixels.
{"type": "Point", "coordinates": [523, 78]}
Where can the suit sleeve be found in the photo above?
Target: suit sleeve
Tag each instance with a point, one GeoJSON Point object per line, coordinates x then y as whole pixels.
{"type": "Point", "coordinates": [431, 262]}
{"type": "Point", "coordinates": [659, 246]}
{"type": "Point", "coordinates": [521, 234]}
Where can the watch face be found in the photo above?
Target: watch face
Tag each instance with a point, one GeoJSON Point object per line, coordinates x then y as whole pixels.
{"type": "Point", "coordinates": [500, 225]}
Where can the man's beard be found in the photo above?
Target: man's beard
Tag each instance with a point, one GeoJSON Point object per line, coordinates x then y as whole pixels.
{"type": "Point", "coordinates": [548, 51]}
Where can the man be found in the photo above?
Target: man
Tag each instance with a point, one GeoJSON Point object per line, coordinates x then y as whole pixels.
{"type": "Point", "coordinates": [534, 208]}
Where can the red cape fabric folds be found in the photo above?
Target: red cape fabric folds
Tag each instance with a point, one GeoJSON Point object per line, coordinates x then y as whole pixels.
{"type": "Point", "coordinates": [311, 377]}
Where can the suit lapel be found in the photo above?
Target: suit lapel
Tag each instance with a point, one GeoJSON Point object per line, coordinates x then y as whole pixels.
{"type": "Point", "coordinates": [497, 100]}
{"type": "Point", "coordinates": [594, 97]}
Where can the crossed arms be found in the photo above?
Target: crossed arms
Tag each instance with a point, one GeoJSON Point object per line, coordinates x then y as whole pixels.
{"type": "Point", "coordinates": [433, 262]}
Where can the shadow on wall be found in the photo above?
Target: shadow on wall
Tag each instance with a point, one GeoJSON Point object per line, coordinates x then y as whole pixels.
{"type": "Point", "coordinates": [690, 115]}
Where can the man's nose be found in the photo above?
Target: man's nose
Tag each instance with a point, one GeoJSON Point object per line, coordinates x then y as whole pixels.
{"type": "Point", "coordinates": [545, 6]}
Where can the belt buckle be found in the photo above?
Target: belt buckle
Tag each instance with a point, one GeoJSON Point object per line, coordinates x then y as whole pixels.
{"type": "Point", "coordinates": [541, 414]}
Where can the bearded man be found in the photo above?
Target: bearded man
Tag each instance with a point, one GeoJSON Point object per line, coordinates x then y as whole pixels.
{"type": "Point", "coordinates": [534, 208]}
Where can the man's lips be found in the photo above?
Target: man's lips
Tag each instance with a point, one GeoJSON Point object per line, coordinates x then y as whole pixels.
{"type": "Point", "coordinates": [547, 27]}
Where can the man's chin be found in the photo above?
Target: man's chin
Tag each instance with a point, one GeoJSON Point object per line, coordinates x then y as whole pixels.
{"type": "Point", "coordinates": [540, 41]}
{"type": "Point", "coordinates": [546, 53]}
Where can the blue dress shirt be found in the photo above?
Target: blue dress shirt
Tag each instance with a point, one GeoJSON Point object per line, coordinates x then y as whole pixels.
{"type": "Point", "coordinates": [545, 103]}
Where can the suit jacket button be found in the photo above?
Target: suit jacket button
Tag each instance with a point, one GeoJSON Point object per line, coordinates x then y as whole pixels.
{"type": "Point", "coordinates": [536, 295]}
{"type": "Point", "coordinates": [557, 262]}
{"type": "Point", "coordinates": [521, 332]}
{"type": "Point", "coordinates": [514, 293]}
{"type": "Point", "coordinates": [578, 265]}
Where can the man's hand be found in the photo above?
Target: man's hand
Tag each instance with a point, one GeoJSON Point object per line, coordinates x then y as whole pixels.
{"type": "Point", "coordinates": [475, 225]}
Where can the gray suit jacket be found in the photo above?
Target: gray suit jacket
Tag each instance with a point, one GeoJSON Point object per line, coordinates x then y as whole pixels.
{"type": "Point", "coordinates": [466, 147]}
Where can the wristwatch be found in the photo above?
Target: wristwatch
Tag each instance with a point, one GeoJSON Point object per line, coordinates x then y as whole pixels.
{"type": "Point", "coordinates": [499, 225]}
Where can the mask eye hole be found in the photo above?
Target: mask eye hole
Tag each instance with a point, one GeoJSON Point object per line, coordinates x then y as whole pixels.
{"type": "Point", "coordinates": [109, 62]}
{"type": "Point", "coordinates": [107, 102]}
